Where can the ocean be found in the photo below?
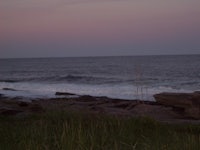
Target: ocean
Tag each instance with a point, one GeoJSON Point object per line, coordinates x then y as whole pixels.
{"type": "Point", "coordinates": [125, 77]}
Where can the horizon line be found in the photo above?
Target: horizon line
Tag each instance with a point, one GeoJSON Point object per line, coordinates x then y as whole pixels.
{"type": "Point", "coordinates": [93, 56]}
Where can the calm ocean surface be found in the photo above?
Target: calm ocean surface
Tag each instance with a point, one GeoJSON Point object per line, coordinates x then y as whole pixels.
{"type": "Point", "coordinates": [118, 77]}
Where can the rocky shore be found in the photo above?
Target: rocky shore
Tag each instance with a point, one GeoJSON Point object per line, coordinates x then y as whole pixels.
{"type": "Point", "coordinates": [168, 107]}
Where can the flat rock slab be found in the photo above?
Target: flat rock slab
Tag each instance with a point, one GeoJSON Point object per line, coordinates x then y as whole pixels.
{"type": "Point", "coordinates": [8, 89]}
{"type": "Point", "coordinates": [64, 94]}
{"type": "Point", "coordinates": [174, 99]}
{"type": "Point", "coordinates": [189, 102]}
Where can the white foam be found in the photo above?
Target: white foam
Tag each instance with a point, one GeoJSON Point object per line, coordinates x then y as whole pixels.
{"type": "Point", "coordinates": [47, 90]}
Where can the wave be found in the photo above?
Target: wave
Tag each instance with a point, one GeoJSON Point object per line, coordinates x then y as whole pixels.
{"type": "Point", "coordinates": [93, 79]}
{"type": "Point", "coordinates": [82, 79]}
{"type": "Point", "coordinates": [189, 83]}
{"type": "Point", "coordinates": [68, 78]}
{"type": "Point", "coordinates": [87, 79]}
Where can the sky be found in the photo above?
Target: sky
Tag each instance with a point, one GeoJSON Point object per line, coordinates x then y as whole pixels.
{"type": "Point", "coordinates": [68, 28]}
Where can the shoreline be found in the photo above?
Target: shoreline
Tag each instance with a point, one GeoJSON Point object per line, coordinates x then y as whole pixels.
{"type": "Point", "coordinates": [95, 105]}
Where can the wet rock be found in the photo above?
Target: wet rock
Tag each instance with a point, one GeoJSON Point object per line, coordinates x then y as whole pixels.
{"type": "Point", "coordinates": [9, 81]}
{"type": "Point", "coordinates": [64, 94]}
{"type": "Point", "coordinates": [8, 89]}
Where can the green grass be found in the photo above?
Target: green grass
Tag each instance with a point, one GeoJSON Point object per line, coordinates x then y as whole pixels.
{"type": "Point", "coordinates": [71, 131]}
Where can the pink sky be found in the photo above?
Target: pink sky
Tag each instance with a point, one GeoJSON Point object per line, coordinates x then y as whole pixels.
{"type": "Point", "coordinates": [96, 24]}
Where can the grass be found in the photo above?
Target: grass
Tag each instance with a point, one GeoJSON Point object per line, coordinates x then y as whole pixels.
{"type": "Point", "coordinates": [71, 131]}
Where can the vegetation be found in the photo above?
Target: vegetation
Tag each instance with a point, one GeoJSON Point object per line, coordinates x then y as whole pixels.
{"type": "Point", "coordinates": [71, 131]}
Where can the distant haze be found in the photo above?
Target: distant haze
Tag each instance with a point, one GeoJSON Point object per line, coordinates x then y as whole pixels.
{"type": "Point", "coordinates": [62, 28]}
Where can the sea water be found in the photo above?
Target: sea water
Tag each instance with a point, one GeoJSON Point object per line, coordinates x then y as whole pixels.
{"type": "Point", "coordinates": [125, 77]}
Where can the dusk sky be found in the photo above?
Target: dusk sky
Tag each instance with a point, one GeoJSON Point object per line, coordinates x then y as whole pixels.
{"type": "Point", "coordinates": [63, 28]}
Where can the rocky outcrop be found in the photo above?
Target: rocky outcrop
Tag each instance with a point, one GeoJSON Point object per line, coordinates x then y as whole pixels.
{"type": "Point", "coordinates": [64, 94]}
{"type": "Point", "coordinates": [189, 103]}
{"type": "Point", "coordinates": [8, 89]}
{"type": "Point", "coordinates": [9, 111]}
{"type": "Point", "coordinates": [1, 95]}
{"type": "Point", "coordinates": [170, 107]}
{"type": "Point", "coordinates": [14, 107]}
{"type": "Point", "coordinates": [87, 98]}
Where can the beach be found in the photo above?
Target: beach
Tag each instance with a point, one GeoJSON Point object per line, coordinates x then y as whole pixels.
{"type": "Point", "coordinates": [85, 104]}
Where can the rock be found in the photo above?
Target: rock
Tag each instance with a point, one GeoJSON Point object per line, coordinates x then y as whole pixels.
{"type": "Point", "coordinates": [196, 97]}
{"type": "Point", "coordinates": [9, 112]}
{"type": "Point", "coordinates": [182, 100]}
{"type": "Point", "coordinates": [188, 102]}
{"type": "Point", "coordinates": [154, 111]}
{"type": "Point", "coordinates": [197, 92]}
{"type": "Point", "coordinates": [23, 104]}
{"type": "Point", "coordinates": [122, 105]}
{"type": "Point", "coordinates": [98, 109]}
{"type": "Point", "coordinates": [8, 89]}
{"type": "Point", "coordinates": [87, 98]}
{"type": "Point", "coordinates": [9, 81]}
{"type": "Point", "coordinates": [64, 94]}
{"type": "Point", "coordinates": [193, 112]}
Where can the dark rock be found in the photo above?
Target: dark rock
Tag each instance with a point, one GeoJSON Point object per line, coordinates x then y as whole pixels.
{"type": "Point", "coordinates": [9, 112]}
{"type": "Point", "coordinates": [183, 100]}
{"type": "Point", "coordinates": [23, 104]}
{"type": "Point", "coordinates": [8, 89]}
{"type": "Point", "coordinates": [9, 81]}
{"type": "Point", "coordinates": [103, 98]}
{"type": "Point", "coordinates": [123, 105]}
{"type": "Point", "coordinates": [64, 94]}
{"type": "Point", "coordinates": [87, 98]}
{"type": "Point", "coordinates": [188, 102]}
{"type": "Point", "coordinates": [193, 112]}
{"type": "Point", "coordinates": [196, 97]}
{"type": "Point", "coordinates": [197, 92]}
{"type": "Point", "coordinates": [154, 111]}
